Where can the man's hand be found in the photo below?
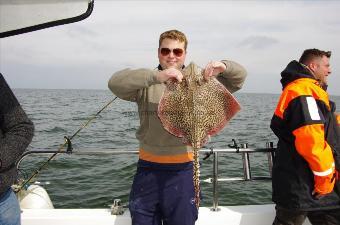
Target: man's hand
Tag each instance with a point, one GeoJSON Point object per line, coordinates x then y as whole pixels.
{"type": "Point", "coordinates": [213, 69]}
{"type": "Point", "coordinates": [324, 185]}
{"type": "Point", "coordinates": [317, 196]}
{"type": "Point", "coordinates": [168, 74]}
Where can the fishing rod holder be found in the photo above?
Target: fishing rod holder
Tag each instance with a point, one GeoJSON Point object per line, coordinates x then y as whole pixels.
{"type": "Point", "coordinates": [69, 145]}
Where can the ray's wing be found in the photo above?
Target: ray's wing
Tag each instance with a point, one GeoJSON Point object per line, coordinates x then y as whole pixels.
{"type": "Point", "coordinates": [173, 111]}
{"type": "Point", "coordinates": [222, 106]}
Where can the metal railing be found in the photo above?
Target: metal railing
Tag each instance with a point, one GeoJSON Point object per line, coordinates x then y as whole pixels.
{"type": "Point", "coordinates": [214, 152]}
{"type": "Point", "coordinates": [245, 151]}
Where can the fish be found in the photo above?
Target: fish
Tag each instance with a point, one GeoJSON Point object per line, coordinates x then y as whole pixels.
{"type": "Point", "coordinates": [194, 110]}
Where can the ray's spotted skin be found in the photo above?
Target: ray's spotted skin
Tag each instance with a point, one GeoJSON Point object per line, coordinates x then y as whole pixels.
{"type": "Point", "coordinates": [195, 109]}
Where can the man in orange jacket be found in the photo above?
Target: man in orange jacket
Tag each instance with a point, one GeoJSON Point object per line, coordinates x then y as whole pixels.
{"type": "Point", "coordinates": [308, 154]}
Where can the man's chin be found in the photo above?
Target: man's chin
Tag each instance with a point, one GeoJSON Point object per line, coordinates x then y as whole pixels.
{"type": "Point", "coordinates": [173, 66]}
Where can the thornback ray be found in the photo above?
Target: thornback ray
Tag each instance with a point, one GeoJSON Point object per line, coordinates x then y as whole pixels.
{"type": "Point", "coordinates": [195, 109]}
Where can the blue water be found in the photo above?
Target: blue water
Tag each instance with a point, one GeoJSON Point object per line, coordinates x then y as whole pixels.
{"type": "Point", "coordinates": [92, 181]}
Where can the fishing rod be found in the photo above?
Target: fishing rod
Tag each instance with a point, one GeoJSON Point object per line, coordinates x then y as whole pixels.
{"type": "Point", "coordinates": [67, 143]}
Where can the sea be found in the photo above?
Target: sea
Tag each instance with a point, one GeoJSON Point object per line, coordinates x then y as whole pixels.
{"type": "Point", "coordinates": [95, 180]}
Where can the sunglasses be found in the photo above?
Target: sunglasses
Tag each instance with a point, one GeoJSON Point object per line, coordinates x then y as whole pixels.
{"type": "Point", "coordinates": [177, 51]}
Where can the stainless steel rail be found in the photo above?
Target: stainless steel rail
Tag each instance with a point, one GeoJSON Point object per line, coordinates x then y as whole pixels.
{"type": "Point", "coordinates": [243, 149]}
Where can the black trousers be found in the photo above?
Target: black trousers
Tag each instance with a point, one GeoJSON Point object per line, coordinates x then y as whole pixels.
{"type": "Point", "coordinates": [323, 217]}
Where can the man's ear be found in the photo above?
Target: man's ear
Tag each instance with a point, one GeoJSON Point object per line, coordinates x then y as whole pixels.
{"type": "Point", "coordinates": [312, 66]}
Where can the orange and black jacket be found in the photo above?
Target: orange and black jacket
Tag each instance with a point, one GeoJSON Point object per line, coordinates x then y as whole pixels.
{"type": "Point", "coordinates": [308, 133]}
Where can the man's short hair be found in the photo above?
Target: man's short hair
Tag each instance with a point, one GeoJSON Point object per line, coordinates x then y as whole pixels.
{"type": "Point", "coordinates": [174, 35]}
{"type": "Point", "coordinates": [309, 54]}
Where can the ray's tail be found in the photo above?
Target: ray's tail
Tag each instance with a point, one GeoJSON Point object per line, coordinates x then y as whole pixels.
{"type": "Point", "coordinates": [196, 177]}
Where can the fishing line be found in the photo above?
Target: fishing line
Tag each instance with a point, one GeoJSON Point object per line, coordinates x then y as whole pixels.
{"type": "Point", "coordinates": [66, 143]}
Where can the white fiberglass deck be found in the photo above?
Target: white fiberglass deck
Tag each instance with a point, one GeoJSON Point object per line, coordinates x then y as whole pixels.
{"type": "Point", "coordinates": [231, 215]}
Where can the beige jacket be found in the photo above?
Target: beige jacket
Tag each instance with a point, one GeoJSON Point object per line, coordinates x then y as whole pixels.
{"type": "Point", "coordinates": [142, 87]}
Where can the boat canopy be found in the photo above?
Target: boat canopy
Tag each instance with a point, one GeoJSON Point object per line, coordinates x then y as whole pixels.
{"type": "Point", "coordinates": [22, 16]}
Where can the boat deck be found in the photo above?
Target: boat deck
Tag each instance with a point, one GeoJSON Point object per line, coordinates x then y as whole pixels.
{"type": "Point", "coordinates": [231, 215]}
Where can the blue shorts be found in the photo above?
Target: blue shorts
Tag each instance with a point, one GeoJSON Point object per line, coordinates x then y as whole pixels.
{"type": "Point", "coordinates": [163, 192]}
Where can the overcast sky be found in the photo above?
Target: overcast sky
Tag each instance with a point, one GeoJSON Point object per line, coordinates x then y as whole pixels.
{"type": "Point", "coordinates": [263, 36]}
